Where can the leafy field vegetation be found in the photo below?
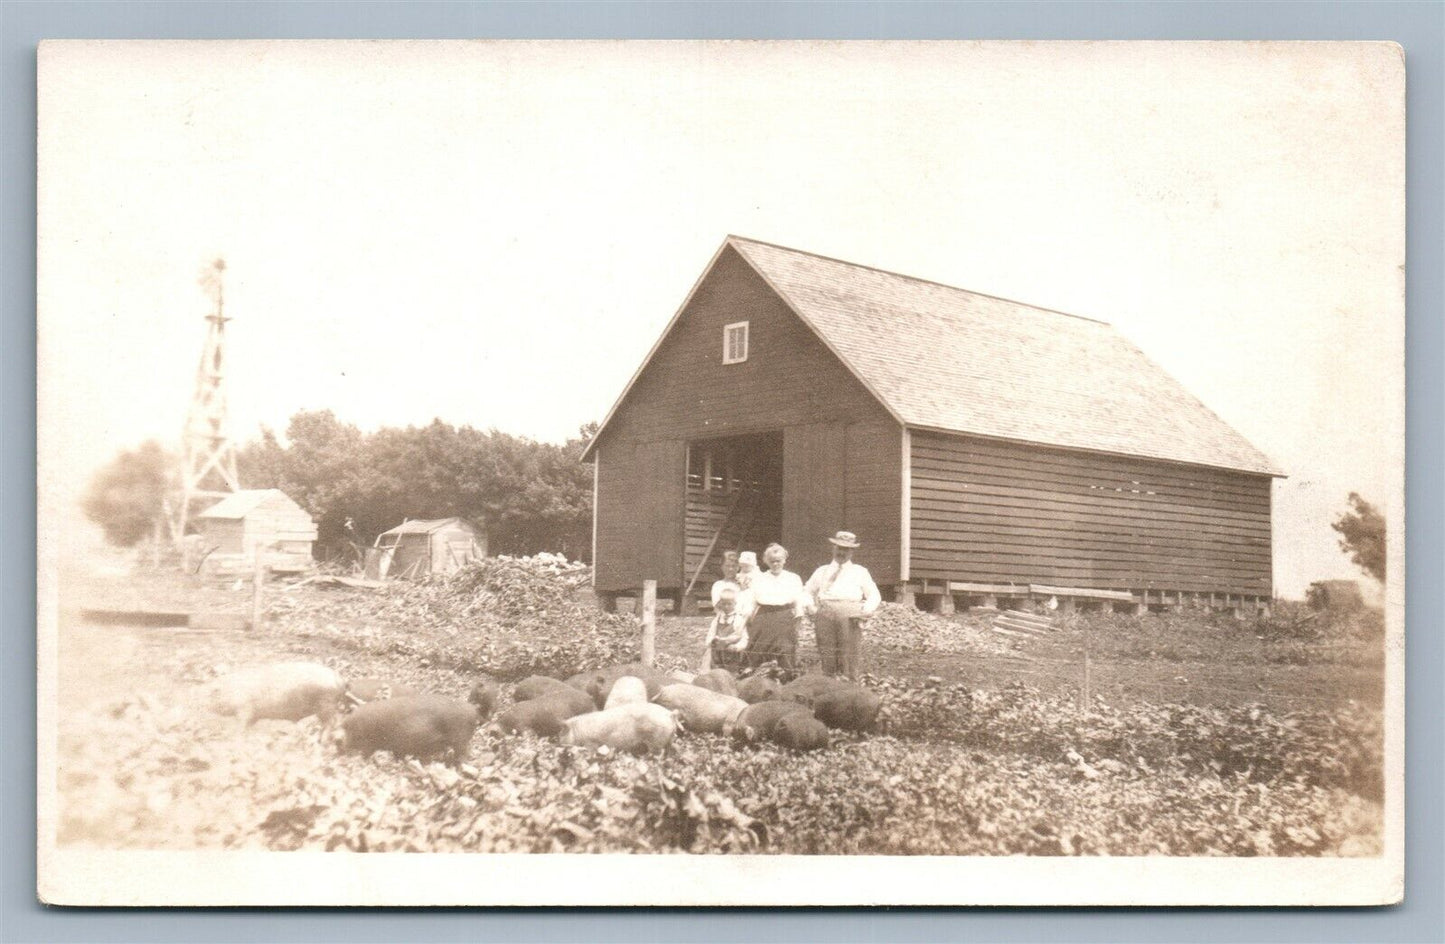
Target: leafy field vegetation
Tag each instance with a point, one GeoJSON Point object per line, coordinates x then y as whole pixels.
{"type": "Point", "coordinates": [984, 747]}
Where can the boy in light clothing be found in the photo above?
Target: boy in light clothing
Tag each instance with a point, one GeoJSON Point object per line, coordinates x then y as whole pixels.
{"type": "Point", "coordinates": [727, 634]}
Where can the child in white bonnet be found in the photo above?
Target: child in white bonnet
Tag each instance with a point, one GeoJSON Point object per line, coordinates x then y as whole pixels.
{"type": "Point", "coordinates": [747, 566]}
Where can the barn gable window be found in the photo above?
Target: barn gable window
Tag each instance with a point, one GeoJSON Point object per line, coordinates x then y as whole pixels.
{"type": "Point", "coordinates": [735, 342]}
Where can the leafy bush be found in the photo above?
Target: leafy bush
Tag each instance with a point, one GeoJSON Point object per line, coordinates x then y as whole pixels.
{"type": "Point", "coordinates": [124, 497]}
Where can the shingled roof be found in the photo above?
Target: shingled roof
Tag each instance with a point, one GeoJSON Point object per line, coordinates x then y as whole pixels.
{"type": "Point", "coordinates": [242, 503]}
{"type": "Point", "coordinates": [944, 358]}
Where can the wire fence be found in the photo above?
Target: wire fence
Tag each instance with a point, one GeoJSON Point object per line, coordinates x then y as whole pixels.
{"type": "Point", "coordinates": [1109, 679]}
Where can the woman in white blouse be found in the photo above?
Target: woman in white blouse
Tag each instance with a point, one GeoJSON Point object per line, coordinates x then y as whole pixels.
{"type": "Point", "coordinates": [778, 603]}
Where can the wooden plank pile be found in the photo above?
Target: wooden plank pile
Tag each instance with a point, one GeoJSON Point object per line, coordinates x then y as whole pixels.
{"type": "Point", "coordinates": [1022, 625]}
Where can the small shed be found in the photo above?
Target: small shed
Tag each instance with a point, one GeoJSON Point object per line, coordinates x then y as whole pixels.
{"type": "Point", "coordinates": [435, 546]}
{"type": "Point", "coordinates": [233, 527]}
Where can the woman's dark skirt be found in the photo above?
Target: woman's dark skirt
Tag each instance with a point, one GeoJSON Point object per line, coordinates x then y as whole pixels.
{"type": "Point", "coordinates": [773, 637]}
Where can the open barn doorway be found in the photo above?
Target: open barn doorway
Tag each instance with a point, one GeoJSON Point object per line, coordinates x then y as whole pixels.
{"type": "Point", "coordinates": [734, 503]}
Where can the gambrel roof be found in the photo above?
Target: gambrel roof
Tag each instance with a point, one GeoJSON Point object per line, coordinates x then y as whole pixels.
{"type": "Point", "coordinates": [938, 357]}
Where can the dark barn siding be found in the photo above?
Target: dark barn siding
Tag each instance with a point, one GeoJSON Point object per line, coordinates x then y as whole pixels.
{"type": "Point", "coordinates": [843, 476]}
{"type": "Point", "coordinates": [814, 486]}
{"type": "Point", "coordinates": [989, 511]}
{"type": "Point", "coordinates": [790, 379]}
{"type": "Point", "coordinates": [639, 525]}
{"type": "Point", "coordinates": [873, 495]}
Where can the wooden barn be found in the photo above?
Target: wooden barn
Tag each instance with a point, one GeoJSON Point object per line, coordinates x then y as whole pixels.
{"type": "Point", "coordinates": [231, 529]}
{"type": "Point", "coordinates": [419, 547]}
{"type": "Point", "coordinates": [981, 448]}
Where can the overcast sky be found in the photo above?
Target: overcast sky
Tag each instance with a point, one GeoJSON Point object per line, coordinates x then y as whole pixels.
{"type": "Point", "coordinates": [495, 234]}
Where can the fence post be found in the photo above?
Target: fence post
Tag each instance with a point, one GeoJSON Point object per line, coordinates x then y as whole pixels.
{"type": "Point", "coordinates": [1084, 704]}
{"type": "Point", "coordinates": [258, 578]}
{"type": "Point", "coordinates": [649, 622]}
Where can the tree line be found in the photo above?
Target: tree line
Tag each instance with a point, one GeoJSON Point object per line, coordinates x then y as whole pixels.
{"type": "Point", "coordinates": [531, 496]}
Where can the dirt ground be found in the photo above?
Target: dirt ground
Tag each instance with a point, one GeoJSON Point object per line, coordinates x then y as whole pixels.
{"type": "Point", "coordinates": [1156, 658]}
{"type": "Point", "coordinates": [201, 783]}
{"type": "Point", "coordinates": [1201, 659]}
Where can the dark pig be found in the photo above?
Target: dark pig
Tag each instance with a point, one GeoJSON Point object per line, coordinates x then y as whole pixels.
{"type": "Point", "coordinates": [535, 686]}
{"type": "Point", "coordinates": [571, 701]}
{"type": "Point", "coordinates": [758, 688]}
{"type": "Point", "coordinates": [800, 731]}
{"type": "Point", "coordinates": [717, 680]}
{"type": "Point", "coordinates": [806, 689]}
{"type": "Point", "coordinates": [420, 726]}
{"type": "Point", "coordinates": [484, 697]}
{"type": "Point", "coordinates": [848, 709]}
{"type": "Point", "coordinates": [757, 721]}
{"type": "Point", "coordinates": [543, 716]}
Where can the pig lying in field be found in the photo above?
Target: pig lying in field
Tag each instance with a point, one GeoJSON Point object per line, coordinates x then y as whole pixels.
{"type": "Point", "coordinates": [702, 711]}
{"type": "Point", "coordinates": [628, 690]}
{"type": "Point", "coordinates": [535, 686]}
{"type": "Point", "coordinates": [850, 708]}
{"type": "Point", "coordinates": [288, 691]}
{"type": "Point", "coordinates": [636, 728]}
{"type": "Point", "coordinates": [758, 688]}
{"type": "Point", "coordinates": [757, 721]}
{"type": "Point", "coordinates": [717, 680]}
{"type": "Point", "coordinates": [598, 683]}
{"type": "Point", "coordinates": [543, 716]}
{"type": "Point", "coordinates": [416, 725]}
{"type": "Point", "coordinates": [806, 689]}
{"type": "Point", "coordinates": [800, 731]}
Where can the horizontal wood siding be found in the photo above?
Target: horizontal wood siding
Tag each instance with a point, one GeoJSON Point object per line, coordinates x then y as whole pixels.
{"type": "Point", "coordinates": [639, 514]}
{"type": "Point", "coordinates": [227, 535]}
{"type": "Point", "coordinates": [993, 512]}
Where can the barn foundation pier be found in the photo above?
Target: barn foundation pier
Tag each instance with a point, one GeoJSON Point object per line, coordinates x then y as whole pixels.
{"type": "Point", "coordinates": [946, 598]}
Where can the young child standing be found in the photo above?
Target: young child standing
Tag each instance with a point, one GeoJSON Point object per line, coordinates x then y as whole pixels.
{"type": "Point", "coordinates": [727, 634]}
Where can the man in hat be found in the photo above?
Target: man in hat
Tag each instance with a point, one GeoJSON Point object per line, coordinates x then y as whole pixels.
{"type": "Point", "coordinates": [841, 596]}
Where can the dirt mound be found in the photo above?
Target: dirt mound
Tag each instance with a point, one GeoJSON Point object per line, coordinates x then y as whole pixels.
{"type": "Point", "coordinates": [509, 617]}
{"type": "Point", "coordinates": [895, 626]}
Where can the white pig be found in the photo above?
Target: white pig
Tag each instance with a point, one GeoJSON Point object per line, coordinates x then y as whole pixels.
{"type": "Point", "coordinates": [288, 691]}
{"type": "Point", "coordinates": [703, 711]}
{"type": "Point", "coordinates": [636, 728]}
{"type": "Point", "coordinates": [628, 690]}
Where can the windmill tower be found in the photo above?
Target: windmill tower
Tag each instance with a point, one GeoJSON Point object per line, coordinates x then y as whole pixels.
{"type": "Point", "coordinates": [209, 469]}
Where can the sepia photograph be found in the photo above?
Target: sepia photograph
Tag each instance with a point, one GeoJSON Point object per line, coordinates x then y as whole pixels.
{"type": "Point", "coordinates": [720, 473]}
